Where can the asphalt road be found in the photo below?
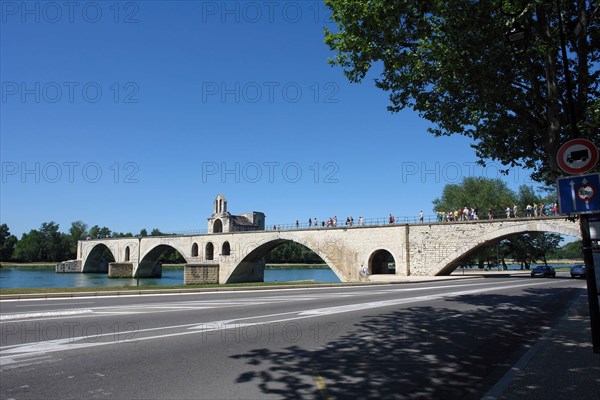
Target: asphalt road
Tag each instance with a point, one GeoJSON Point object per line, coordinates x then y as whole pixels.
{"type": "Point", "coordinates": [449, 339]}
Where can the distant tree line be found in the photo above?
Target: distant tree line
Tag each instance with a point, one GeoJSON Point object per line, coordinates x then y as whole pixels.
{"type": "Point", "coordinates": [524, 249]}
{"type": "Point", "coordinates": [48, 244]}
{"type": "Point", "coordinates": [293, 253]}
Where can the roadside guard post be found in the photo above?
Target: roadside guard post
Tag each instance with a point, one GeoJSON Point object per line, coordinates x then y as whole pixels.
{"type": "Point", "coordinates": [580, 195]}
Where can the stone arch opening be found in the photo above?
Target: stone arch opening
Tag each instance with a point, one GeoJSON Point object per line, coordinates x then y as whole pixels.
{"type": "Point", "coordinates": [218, 226]}
{"type": "Point", "coordinates": [251, 268]}
{"type": "Point", "coordinates": [209, 251]}
{"type": "Point", "coordinates": [226, 249]}
{"type": "Point", "coordinates": [150, 265]}
{"type": "Point", "coordinates": [382, 262]}
{"type": "Point", "coordinates": [454, 260]}
{"type": "Point", "coordinates": [127, 254]}
{"type": "Point", "coordinates": [98, 259]}
{"type": "Point", "coordinates": [195, 250]}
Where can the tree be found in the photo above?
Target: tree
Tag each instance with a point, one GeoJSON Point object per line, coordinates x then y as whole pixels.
{"type": "Point", "coordinates": [77, 232]}
{"type": "Point", "coordinates": [99, 233]}
{"type": "Point", "coordinates": [483, 193]}
{"type": "Point", "coordinates": [29, 247]}
{"type": "Point", "coordinates": [448, 60]}
{"type": "Point", "coordinates": [143, 232]}
{"type": "Point", "coordinates": [292, 252]}
{"type": "Point", "coordinates": [122, 235]}
{"type": "Point", "coordinates": [531, 247]}
{"type": "Point", "coordinates": [54, 246]}
{"type": "Point", "coordinates": [569, 251]}
{"type": "Point", "coordinates": [526, 196]}
{"type": "Point", "coordinates": [7, 243]}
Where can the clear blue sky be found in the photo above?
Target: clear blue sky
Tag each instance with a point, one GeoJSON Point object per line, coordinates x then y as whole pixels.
{"type": "Point", "coordinates": [136, 116]}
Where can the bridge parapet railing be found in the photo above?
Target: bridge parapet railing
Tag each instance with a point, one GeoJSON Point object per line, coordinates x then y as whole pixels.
{"type": "Point", "coordinates": [402, 220]}
{"type": "Point", "coordinates": [366, 222]}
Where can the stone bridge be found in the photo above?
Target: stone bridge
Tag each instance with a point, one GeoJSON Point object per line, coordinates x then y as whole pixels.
{"type": "Point", "coordinates": [424, 249]}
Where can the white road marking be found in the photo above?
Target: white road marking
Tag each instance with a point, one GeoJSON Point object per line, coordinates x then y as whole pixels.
{"type": "Point", "coordinates": [209, 304]}
{"type": "Point", "coordinates": [59, 304]}
{"type": "Point", "coordinates": [16, 353]}
{"type": "Point", "coordinates": [44, 314]}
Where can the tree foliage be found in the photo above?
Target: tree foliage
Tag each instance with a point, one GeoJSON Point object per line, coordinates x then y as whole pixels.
{"type": "Point", "coordinates": [483, 193]}
{"type": "Point", "coordinates": [293, 253]}
{"type": "Point", "coordinates": [7, 243]}
{"type": "Point", "coordinates": [46, 244]}
{"type": "Point", "coordinates": [97, 232]}
{"type": "Point", "coordinates": [531, 247]}
{"type": "Point", "coordinates": [449, 61]}
{"type": "Point", "coordinates": [570, 251]}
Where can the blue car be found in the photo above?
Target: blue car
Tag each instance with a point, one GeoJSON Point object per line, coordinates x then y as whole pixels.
{"type": "Point", "coordinates": [578, 271]}
{"type": "Point", "coordinates": [544, 271]}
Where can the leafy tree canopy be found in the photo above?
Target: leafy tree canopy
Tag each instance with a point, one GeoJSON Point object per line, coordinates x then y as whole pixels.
{"type": "Point", "coordinates": [483, 193]}
{"type": "Point", "coordinates": [7, 243]}
{"type": "Point", "coordinates": [449, 60]}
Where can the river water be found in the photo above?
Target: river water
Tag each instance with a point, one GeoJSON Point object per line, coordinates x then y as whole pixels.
{"type": "Point", "coordinates": [23, 277]}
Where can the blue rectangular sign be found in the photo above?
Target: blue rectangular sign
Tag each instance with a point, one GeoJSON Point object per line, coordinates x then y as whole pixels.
{"type": "Point", "coordinates": [579, 194]}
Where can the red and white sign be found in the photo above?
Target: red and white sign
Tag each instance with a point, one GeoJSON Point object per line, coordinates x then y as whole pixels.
{"type": "Point", "coordinates": [577, 156]}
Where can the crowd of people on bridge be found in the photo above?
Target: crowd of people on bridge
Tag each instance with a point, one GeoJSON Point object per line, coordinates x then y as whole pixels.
{"type": "Point", "coordinates": [331, 222]}
{"type": "Point", "coordinates": [472, 214]}
{"type": "Point", "coordinates": [456, 215]}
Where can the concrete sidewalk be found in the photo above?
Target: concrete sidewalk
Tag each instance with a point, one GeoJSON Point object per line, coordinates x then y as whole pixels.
{"type": "Point", "coordinates": [561, 365]}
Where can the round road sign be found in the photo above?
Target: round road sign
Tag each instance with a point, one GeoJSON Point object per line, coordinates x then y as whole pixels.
{"type": "Point", "coordinates": [577, 156]}
{"type": "Point", "coordinates": [585, 192]}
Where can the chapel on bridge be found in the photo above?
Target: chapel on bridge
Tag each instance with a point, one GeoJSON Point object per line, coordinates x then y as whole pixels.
{"type": "Point", "coordinates": [222, 221]}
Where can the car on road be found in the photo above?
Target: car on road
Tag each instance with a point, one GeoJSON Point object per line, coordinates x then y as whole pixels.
{"type": "Point", "coordinates": [578, 271]}
{"type": "Point", "coordinates": [544, 271]}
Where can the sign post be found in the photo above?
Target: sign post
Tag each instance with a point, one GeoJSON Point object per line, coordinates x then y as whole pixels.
{"type": "Point", "coordinates": [580, 195]}
{"type": "Point", "coordinates": [591, 258]}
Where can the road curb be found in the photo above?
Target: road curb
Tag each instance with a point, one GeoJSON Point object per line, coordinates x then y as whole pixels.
{"type": "Point", "coordinates": [496, 392]}
{"type": "Point", "coordinates": [31, 296]}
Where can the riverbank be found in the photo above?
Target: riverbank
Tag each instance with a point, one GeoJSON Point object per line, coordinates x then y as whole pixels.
{"type": "Point", "coordinates": [27, 265]}
{"type": "Point", "coordinates": [167, 266]}
{"type": "Point", "coordinates": [146, 288]}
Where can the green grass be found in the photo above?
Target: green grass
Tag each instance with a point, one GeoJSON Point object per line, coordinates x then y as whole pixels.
{"type": "Point", "coordinates": [298, 266]}
{"type": "Point", "coordinates": [27, 265]}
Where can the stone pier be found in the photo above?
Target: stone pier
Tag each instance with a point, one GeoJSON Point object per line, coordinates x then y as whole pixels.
{"type": "Point", "coordinates": [120, 270]}
{"type": "Point", "coordinates": [198, 274]}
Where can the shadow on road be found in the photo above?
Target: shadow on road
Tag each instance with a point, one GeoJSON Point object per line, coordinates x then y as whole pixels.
{"type": "Point", "coordinates": [458, 350]}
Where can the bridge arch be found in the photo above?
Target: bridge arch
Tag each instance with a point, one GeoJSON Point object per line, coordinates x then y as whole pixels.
{"type": "Point", "coordinates": [249, 267]}
{"type": "Point", "coordinates": [451, 261]}
{"type": "Point", "coordinates": [149, 265]}
{"type": "Point", "coordinates": [379, 261]}
{"type": "Point", "coordinates": [98, 259]}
